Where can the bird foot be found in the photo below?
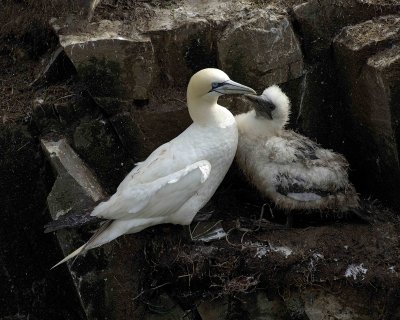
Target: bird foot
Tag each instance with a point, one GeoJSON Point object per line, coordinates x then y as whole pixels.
{"type": "Point", "coordinates": [204, 231]}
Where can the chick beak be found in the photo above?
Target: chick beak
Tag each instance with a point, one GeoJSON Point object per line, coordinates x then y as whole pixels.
{"type": "Point", "coordinates": [262, 106]}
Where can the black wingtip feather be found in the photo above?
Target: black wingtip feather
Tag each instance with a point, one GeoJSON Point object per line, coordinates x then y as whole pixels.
{"type": "Point", "coordinates": [71, 220]}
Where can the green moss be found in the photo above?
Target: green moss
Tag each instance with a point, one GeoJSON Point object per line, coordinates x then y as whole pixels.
{"type": "Point", "coordinates": [102, 77]}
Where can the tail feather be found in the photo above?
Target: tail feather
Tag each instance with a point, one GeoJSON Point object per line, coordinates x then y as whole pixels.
{"type": "Point", "coordinates": [88, 245]}
{"type": "Point", "coordinates": [70, 256]}
{"type": "Point", "coordinates": [92, 241]}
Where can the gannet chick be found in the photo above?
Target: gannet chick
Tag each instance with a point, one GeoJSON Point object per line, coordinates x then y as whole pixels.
{"type": "Point", "coordinates": [286, 167]}
{"type": "Point", "coordinates": [181, 176]}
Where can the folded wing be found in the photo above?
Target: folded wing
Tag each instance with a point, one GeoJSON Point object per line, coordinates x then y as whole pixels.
{"type": "Point", "coordinates": [158, 198]}
{"type": "Point", "coordinates": [299, 165]}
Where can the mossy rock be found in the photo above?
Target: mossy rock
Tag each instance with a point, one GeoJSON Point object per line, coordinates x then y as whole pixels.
{"type": "Point", "coordinates": [97, 143]}
{"type": "Point", "coordinates": [102, 77]}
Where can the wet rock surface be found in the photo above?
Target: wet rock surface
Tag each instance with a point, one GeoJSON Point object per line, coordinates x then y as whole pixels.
{"type": "Point", "coordinates": [133, 62]}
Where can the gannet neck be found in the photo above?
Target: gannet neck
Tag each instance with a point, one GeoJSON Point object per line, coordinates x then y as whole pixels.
{"type": "Point", "coordinates": [258, 126]}
{"type": "Point", "coordinates": [203, 107]}
{"type": "Point", "coordinates": [205, 111]}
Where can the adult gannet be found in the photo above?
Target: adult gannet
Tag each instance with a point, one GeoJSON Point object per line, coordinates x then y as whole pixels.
{"type": "Point", "coordinates": [288, 168]}
{"type": "Point", "coordinates": [179, 177]}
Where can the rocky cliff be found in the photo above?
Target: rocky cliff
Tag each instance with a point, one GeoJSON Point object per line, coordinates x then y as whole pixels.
{"type": "Point", "coordinates": [83, 101]}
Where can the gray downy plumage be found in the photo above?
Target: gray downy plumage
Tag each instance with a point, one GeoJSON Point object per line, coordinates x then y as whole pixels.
{"type": "Point", "coordinates": [294, 172]}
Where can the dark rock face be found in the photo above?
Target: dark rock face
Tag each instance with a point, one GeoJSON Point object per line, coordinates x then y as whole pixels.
{"type": "Point", "coordinates": [160, 126]}
{"type": "Point", "coordinates": [354, 44]}
{"type": "Point", "coordinates": [321, 20]}
{"type": "Point", "coordinates": [128, 132]}
{"type": "Point", "coordinates": [99, 146]}
{"type": "Point", "coordinates": [73, 177]}
{"type": "Point", "coordinates": [26, 253]}
{"type": "Point", "coordinates": [260, 48]}
{"type": "Point", "coordinates": [135, 71]}
{"type": "Point", "coordinates": [111, 63]}
{"type": "Point", "coordinates": [317, 107]}
{"type": "Point", "coordinates": [368, 58]}
{"type": "Point", "coordinates": [182, 48]}
{"type": "Point", "coordinates": [74, 190]}
{"type": "Point", "coordinates": [172, 44]}
{"type": "Point", "coordinates": [341, 94]}
{"type": "Point", "coordinates": [58, 68]}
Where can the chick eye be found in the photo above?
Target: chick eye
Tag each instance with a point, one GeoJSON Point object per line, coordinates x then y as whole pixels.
{"type": "Point", "coordinates": [270, 105]}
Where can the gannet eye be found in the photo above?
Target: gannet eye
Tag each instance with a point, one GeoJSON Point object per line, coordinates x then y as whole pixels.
{"type": "Point", "coordinates": [214, 85]}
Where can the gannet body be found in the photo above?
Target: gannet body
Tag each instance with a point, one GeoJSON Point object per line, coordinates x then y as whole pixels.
{"type": "Point", "coordinates": [291, 170]}
{"type": "Point", "coordinates": [181, 176]}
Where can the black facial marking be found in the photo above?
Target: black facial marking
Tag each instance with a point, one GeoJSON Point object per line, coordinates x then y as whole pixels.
{"type": "Point", "coordinates": [262, 105]}
{"type": "Point", "coordinates": [216, 85]}
{"type": "Point", "coordinates": [264, 108]}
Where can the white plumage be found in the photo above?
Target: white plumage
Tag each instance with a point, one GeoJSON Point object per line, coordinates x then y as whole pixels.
{"type": "Point", "coordinates": [288, 168]}
{"type": "Point", "coordinates": [179, 177]}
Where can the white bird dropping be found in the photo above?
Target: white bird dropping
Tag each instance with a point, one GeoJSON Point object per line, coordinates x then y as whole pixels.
{"type": "Point", "coordinates": [179, 177]}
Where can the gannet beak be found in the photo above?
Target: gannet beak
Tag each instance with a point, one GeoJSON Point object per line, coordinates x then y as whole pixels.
{"type": "Point", "coordinates": [262, 106]}
{"type": "Point", "coordinates": [232, 87]}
